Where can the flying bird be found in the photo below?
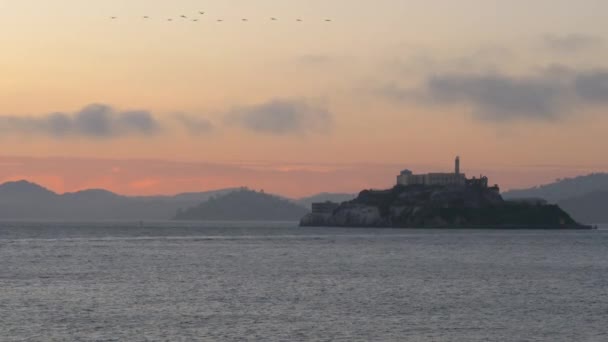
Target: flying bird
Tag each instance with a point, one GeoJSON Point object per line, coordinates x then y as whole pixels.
{"type": "Point", "coordinates": [201, 13]}
{"type": "Point", "coordinates": [244, 19]}
{"type": "Point", "coordinates": [112, 18]}
{"type": "Point", "coordinates": [169, 19]}
{"type": "Point", "coordinates": [145, 17]}
{"type": "Point", "coordinates": [328, 20]}
{"type": "Point", "coordinates": [194, 19]}
{"type": "Point", "coordinates": [273, 19]}
{"type": "Point", "coordinates": [183, 16]}
{"type": "Point", "coordinates": [298, 19]}
{"type": "Point", "coordinates": [219, 20]}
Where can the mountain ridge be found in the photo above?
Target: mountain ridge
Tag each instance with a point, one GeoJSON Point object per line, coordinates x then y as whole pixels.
{"type": "Point", "coordinates": [23, 199]}
{"type": "Point", "coordinates": [563, 189]}
{"type": "Point", "coordinates": [591, 208]}
{"type": "Point", "coordinates": [585, 197]}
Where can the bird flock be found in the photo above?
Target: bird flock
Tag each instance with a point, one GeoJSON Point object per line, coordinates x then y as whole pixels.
{"type": "Point", "coordinates": [199, 16]}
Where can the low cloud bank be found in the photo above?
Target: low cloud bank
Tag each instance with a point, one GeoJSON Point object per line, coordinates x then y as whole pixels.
{"type": "Point", "coordinates": [569, 43]}
{"type": "Point", "coordinates": [93, 121]}
{"type": "Point", "coordinates": [550, 94]}
{"type": "Point", "coordinates": [100, 121]}
{"type": "Point", "coordinates": [282, 117]}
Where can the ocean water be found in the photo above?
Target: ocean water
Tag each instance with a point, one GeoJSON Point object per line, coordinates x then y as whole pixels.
{"type": "Point", "coordinates": [276, 282]}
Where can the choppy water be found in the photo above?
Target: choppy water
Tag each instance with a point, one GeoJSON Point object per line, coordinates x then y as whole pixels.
{"type": "Point", "coordinates": [275, 282]}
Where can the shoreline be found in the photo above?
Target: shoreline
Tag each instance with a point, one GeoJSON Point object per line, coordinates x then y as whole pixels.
{"type": "Point", "coordinates": [471, 227]}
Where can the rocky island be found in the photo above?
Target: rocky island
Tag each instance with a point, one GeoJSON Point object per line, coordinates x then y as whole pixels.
{"type": "Point", "coordinates": [439, 200]}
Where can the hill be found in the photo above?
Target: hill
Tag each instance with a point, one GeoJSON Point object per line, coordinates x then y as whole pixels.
{"type": "Point", "coordinates": [24, 190]}
{"type": "Point", "coordinates": [244, 205]}
{"type": "Point", "coordinates": [25, 200]}
{"type": "Point", "coordinates": [590, 208]}
{"type": "Point", "coordinates": [564, 188]}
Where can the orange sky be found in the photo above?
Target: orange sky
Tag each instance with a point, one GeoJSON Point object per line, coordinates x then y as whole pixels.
{"type": "Point", "coordinates": [322, 106]}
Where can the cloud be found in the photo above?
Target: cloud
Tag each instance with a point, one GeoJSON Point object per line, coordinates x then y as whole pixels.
{"type": "Point", "coordinates": [93, 121]}
{"type": "Point", "coordinates": [282, 117]}
{"type": "Point", "coordinates": [593, 86]}
{"type": "Point", "coordinates": [193, 124]}
{"type": "Point", "coordinates": [570, 42]}
{"type": "Point", "coordinates": [498, 97]}
{"type": "Point", "coordinates": [423, 60]}
{"type": "Point", "coordinates": [546, 95]}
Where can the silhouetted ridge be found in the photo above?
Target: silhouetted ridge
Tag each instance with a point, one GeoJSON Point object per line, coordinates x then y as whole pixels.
{"type": "Point", "coordinates": [93, 194]}
{"type": "Point", "coordinates": [589, 208]}
{"type": "Point", "coordinates": [563, 189]}
{"type": "Point", "coordinates": [26, 200]}
{"type": "Point", "coordinates": [24, 188]}
{"type": "Point", "coordinates": [244, 205]}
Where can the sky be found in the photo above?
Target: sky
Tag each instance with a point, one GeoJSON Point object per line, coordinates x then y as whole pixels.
{"type": "Point", "coordinates": [518, 89]}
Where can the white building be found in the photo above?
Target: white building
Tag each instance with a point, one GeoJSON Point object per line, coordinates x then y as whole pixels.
{"type": "Point", "coordinates": [407, 177]}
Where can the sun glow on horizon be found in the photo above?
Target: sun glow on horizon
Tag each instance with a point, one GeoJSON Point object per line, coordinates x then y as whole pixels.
{"type": "Point", "coordinates": [326, 84]}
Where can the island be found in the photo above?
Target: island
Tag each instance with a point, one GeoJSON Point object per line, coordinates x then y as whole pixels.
{"type": "Point", "coordinates": [439, 200]}
{"type": "Point", "coordinates": [243, 205]}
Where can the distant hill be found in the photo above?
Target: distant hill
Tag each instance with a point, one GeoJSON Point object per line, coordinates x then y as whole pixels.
{"type": "Point", "coordinates": [563, 189]}
{"type": "Point", "coordinates": [244, 205]}
{"type": "Point", "coordinates": [24, 190]}
{"type": "Point", "coordinates": [26, 200]}
{"type": "Point", "coordinates": [590, 208]}
{"type": "Point", "coordinates": [324, 197]}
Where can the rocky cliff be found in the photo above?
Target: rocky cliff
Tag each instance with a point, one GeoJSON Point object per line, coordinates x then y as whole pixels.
{"type": "Point", "coordinates": [420, 206]}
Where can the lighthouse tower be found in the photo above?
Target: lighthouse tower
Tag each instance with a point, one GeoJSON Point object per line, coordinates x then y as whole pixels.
{"type": "Point", "coordinates": [457, 166]}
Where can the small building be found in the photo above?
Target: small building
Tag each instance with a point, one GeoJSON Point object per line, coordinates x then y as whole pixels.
{"type": "Point", "coordinates": [482, 182]}
{"type": "Point", "coordinates": [407, 177]}
{"type": "Point", "coordinates": [324, 208]}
